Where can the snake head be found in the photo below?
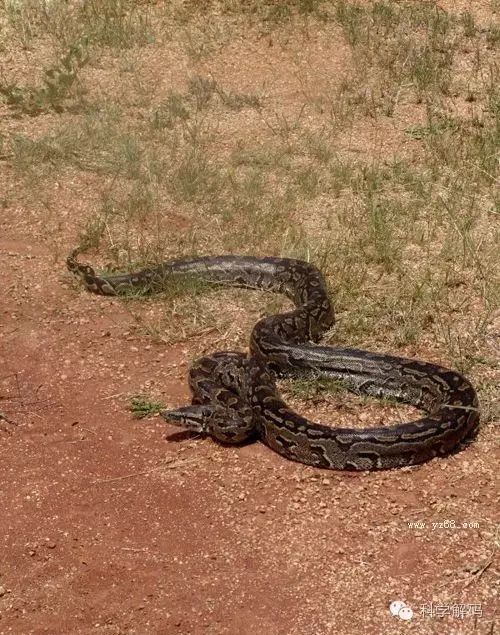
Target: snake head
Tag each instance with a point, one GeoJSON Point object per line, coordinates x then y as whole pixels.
{"type": "Point", "coordinates": [227, 425]}
{"type": "Point", "coordinates": [194, 418]}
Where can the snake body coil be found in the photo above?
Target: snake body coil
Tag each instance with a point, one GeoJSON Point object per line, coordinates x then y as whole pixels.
{"type": "Point", "coordinates": [235, 397]}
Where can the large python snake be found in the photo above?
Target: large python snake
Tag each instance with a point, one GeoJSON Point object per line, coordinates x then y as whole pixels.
{"type": "Point", "coordinates": [235, 397]}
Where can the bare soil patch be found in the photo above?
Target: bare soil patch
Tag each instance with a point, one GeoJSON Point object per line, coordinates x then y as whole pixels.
{"type": "Point", "coordinates": [115, 525]}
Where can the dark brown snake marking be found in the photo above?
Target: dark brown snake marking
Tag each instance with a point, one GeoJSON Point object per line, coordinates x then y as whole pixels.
{"type": "Point", "coordinates": [235, 397]}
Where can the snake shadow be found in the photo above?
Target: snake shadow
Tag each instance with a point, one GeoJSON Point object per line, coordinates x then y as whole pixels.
{"type": "Point", "coordinates": [183, 435]}
{"type": "Point", "coordinates": [189, 435]}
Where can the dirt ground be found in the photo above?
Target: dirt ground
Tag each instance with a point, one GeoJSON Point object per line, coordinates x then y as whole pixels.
{"type": "Point", "coordinates": [115, 525]}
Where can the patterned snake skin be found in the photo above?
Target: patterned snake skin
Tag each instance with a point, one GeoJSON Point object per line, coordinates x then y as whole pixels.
{"type": "Point", "coordinates": [235, 397]}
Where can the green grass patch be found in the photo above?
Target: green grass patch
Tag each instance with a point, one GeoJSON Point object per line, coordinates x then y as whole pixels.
{"type": "Point", "coordinates": [142, 406]}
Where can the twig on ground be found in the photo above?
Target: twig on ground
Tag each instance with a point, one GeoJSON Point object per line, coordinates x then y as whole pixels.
{"type": "Point", "coordinates": [168, 466]}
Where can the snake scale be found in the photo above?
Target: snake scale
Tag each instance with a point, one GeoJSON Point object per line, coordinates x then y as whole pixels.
{"type": "Point", "coordinates": [235, 397]}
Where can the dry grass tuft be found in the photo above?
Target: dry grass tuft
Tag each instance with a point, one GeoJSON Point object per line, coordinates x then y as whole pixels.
{"type": "Point", "coordinates": [386, 175]}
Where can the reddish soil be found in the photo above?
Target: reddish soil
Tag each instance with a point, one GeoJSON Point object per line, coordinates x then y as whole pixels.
{"type": "Point", "coordinates": [113, 525]}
